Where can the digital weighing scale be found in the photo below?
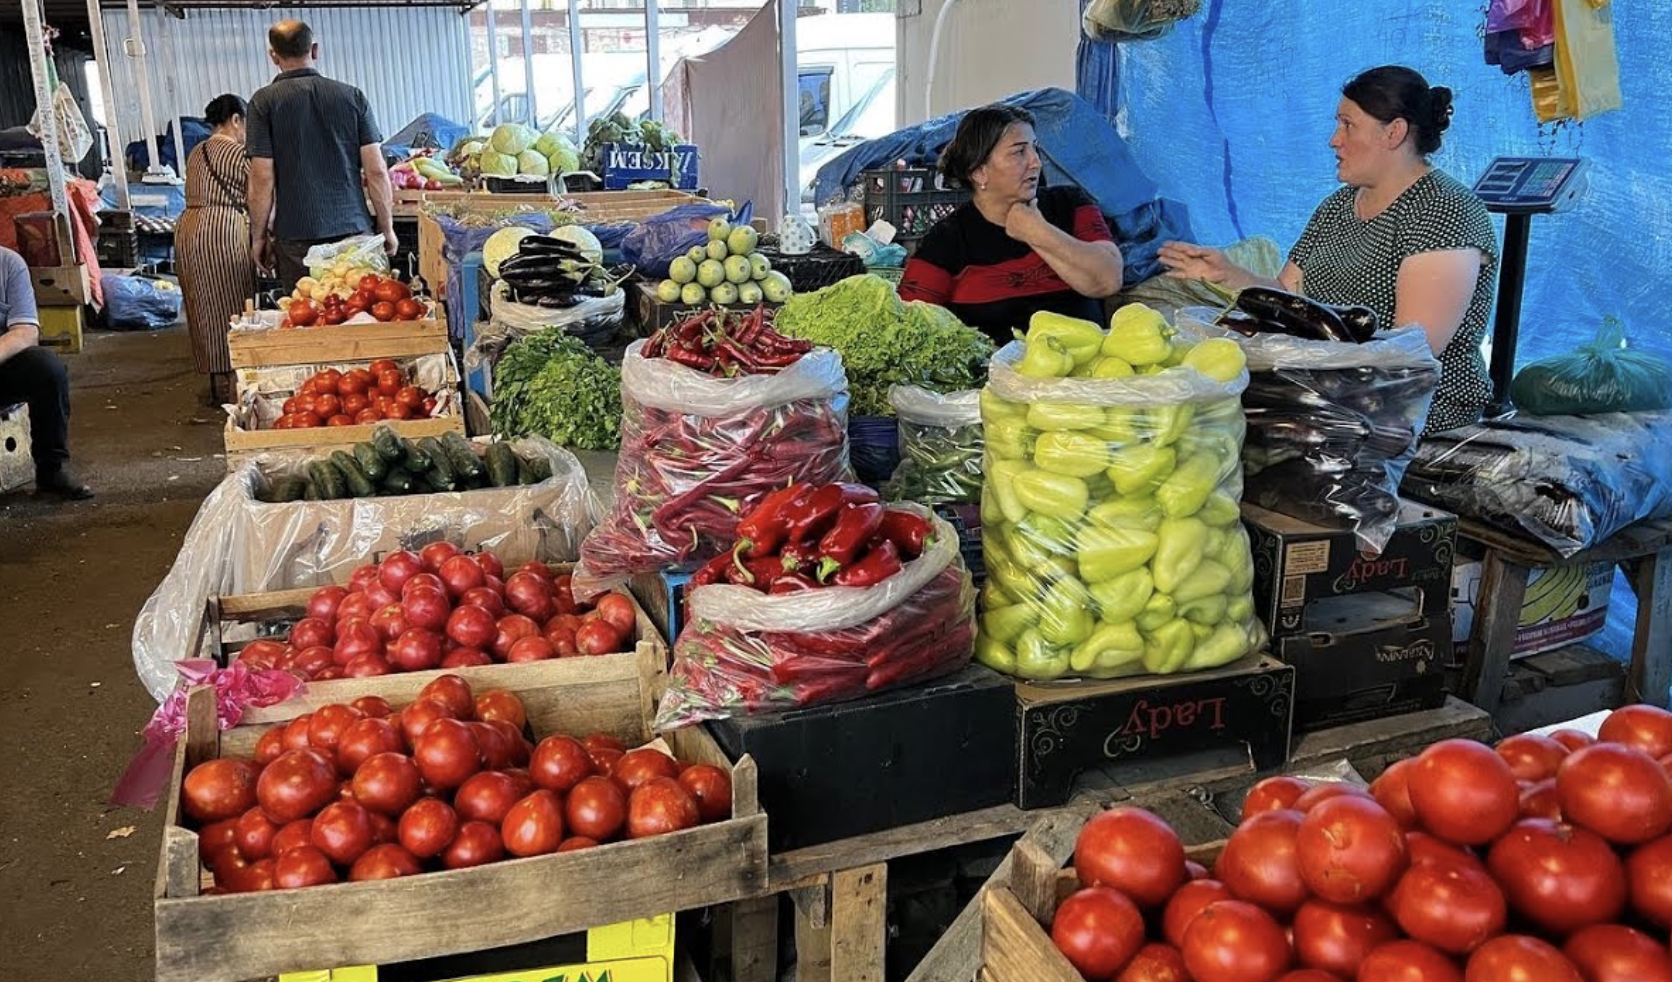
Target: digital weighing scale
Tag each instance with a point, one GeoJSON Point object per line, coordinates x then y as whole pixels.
{"type": "Point", "coordinates": [1519, 188]}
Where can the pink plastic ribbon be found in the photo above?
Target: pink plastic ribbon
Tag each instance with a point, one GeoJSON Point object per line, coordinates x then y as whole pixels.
{"type": "Point", "coordinates": [236, 689]}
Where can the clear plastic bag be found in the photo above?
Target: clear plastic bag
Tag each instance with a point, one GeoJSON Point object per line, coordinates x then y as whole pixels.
{"type": "Point", "coordinates": [1111, 525]}
{"type": "Point", "coordinates": [1605, 376]}
{"type": "Point", "coordinates": [360, 252]}
{"type": "Point", "coordinates": [1332, 426]}
{"type": "Point", "coordinates": [697, 450]}
{"type": "Point", "coordinates": [1134, 20]}
{"type": "Point", "coordinates": [237, 544]}
{"type": "Point", "coordinates": [940, 446]}
{"type": "Point", "coordinates": [744, 652]}
{"type": "Point", "coordinates": [596, 322]}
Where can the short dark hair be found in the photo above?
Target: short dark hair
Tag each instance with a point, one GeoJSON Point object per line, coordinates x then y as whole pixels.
{"type": "Point", "coordinates": [978, 133]}
{"type": "Point", "coordinates": [290, 39]}
{"type": "Point", "coordinates": [224, 107]}
{"type": "Point", "coordinates": [1395, 92]}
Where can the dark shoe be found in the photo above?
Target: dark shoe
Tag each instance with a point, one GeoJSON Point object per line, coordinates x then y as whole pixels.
{"type": "Point", "coordinates": [62, 485]}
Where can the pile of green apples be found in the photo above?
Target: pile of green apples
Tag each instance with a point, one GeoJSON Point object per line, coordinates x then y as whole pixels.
{"type": "Point", "coordinates": [725, 271]}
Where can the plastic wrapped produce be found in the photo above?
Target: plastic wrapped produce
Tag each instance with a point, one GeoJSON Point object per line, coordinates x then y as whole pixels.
{"type": "Point", "coordinates": [1333, 425]}
{"type": "Point", "coordinates": [1605, 376]}
{"type": "Point", "coordinates": [744, 651]}
{"type": "Point", "coordinates": [940, 447]}
{"type": "Point", "coordinates": [1110, 513]}
{"type": "Point", "coordinates": [697, 450]}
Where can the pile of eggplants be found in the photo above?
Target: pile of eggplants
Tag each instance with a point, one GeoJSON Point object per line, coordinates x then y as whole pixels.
{"type": "Point", "coordinates": [1264, 310]}
{"type": "Point", "coordinates": [553, 273]}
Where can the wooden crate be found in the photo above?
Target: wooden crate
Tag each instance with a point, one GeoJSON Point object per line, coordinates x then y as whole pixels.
{"type": "Point", "coordinates": [61, 285]}
{"type": "Point", "coordinates": [62, 326]}
{"type": "Point", "coordinates": [17, 461]}
{"type": "Point", "coordinates": [319, 441]}
{"type": "Point", "coordinates": [254, 935]}
{"type": "Point", "coordinates": [336, 343]}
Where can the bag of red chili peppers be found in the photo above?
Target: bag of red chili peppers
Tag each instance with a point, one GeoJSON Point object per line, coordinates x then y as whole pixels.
{"type": "Point", "coordinates": [827, 595]}
{"type": "Point", "coordinates": [698, 449]}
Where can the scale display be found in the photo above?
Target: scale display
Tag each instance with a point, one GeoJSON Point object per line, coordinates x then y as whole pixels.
{"type": "Point", "coordinates": [1530, 185]}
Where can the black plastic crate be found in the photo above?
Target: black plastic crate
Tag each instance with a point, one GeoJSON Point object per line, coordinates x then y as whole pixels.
{"type": "Point", "coordinates": [910, 199]}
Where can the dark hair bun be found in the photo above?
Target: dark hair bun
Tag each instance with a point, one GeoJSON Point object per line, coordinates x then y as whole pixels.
{"type": "Point", "coordinates": [1440, 98]}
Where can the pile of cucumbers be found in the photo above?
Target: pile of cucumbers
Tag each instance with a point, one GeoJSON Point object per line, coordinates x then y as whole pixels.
{"type": "Point", "coordinates": [390, 464]}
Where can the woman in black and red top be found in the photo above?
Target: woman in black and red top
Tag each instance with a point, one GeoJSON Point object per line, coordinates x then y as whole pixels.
{"type": "Point", "coordinates": [1013, 249]}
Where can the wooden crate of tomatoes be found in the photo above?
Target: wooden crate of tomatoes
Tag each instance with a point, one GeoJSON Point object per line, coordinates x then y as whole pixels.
{"type": "Point", "coordinates": [420, 615]}
{"type": "Point", "coordinates": [444, 818]}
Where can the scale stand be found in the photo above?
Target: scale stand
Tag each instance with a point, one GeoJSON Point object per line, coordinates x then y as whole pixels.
{"type": "Point", "coordinates": [1519, 188]}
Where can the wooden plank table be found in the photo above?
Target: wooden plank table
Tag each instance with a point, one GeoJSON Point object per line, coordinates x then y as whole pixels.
{"type": "Point", "coordinates": [1643, 551]}
{"type": "Point", "coordinates": [838, 889]}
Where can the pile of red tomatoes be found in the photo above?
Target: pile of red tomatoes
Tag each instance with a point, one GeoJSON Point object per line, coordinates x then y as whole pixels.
{"type": "Point", "coordinates": [384, 298]}
{"type": "Point", "coordinates": [363, 792]}
{"type": "Point", "coordinates": [443, 608]}
{"type": "Point", "coordinates": [1547, 859]}
{"type": "Point", "coordinates": [358, 396]}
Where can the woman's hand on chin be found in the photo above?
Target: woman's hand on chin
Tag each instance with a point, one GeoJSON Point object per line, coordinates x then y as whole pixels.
{"type": "Point", "coordinates": [1024, 222]}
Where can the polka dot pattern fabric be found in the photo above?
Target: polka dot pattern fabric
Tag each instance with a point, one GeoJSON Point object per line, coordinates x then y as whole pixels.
{"type": "Point", "coordinates": [1344, 260]}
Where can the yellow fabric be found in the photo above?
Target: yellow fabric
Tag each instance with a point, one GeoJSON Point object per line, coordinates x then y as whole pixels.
{"type": "Point", "coordinates": [1547, 95]}
{"type": "Point", "coordinates": [1586, 66]}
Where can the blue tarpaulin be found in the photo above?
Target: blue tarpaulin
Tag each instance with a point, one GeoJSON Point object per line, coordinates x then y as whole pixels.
{"type": "Point", "coordinates": [192, 129]}
{"type": "Point", "coordinates": [1079, 146]}
{"type": "Point", "coordinates": [427, 131]}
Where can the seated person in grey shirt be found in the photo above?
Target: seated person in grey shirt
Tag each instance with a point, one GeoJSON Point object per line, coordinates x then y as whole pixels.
{"type": "Point", "coordinates": [30, 373]}
{"type": "Point", "coordinates": [310, 139]}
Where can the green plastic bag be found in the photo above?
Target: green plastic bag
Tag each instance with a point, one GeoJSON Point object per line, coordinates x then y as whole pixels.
{"type": "Point", "coordinates": [1605, 376]}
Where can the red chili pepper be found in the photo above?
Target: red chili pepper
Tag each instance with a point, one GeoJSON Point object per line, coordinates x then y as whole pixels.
{"type": "Point", "coordinates": [757, 573]}
{"type": "Point", "coordinates": [909, 532]}
{"type": "Point", "coordinates": [825, 690]}
{"type": "Point", "coordinates": [792, 583]}
{"type": "Point", "coordinates": [799, 558]}
{"type": "Point", "coordinates": [856, 526]}
{"type": "Point", "coordinates": [764, 529]}
{"type": "Point", "coordinates": [698, 360]}
{"type": "Point", "coordinates": [942, 656]}
{"type": "Point", "coordinates": [713, 571]}
{"type": "Point", "coordinates": [875, 566]}
{"type": "Point", "coordinates": [813, 518]}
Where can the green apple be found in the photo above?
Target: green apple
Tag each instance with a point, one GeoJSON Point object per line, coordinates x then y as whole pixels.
{"type": "Point", "coordinates": [719, 228]}
{"type": "Point", "coordinates": [776, 286]}
{"type": "Point", "coordinates": [743, 240]}
{"type": "Point", "coordinates": [697, 253]}
{"type": "Point", "coordinates": [737, 270]}
{"type": "Point", "coordinates": [725, 294]}
{"type": "Point", "coordinates": [717, 250]}
{"type": "Point", "coordinates": [759, 266]}
{"type": "Point", "coordinates": [692, 293]}
{"type": "Point", "coordinates": [750, 294]}
{"type": "Point", "coordinates": [711, 273]}
{"type": "Point", "coordinates": [668, 291]}
{"type": "Point", "coordinates": [683, 270]}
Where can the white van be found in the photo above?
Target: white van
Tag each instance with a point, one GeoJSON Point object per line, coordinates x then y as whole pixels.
{"type": "Point", "coordinates": [843, 60]}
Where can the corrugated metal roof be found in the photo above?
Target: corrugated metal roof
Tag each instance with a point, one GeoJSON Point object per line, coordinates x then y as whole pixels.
{"type": "Point", "coordinates": [409, 62]}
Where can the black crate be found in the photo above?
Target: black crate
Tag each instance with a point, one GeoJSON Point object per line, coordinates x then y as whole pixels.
{"type": "Point", "coordinates": [1367, 656]}
{"type": "Point", "coordinates": [893, 759]}
{"type": "Point", "coordinates": [910, 199]}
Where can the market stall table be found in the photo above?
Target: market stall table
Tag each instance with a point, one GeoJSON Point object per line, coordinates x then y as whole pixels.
{"type": "Point", "coordinates": [1643, 551]}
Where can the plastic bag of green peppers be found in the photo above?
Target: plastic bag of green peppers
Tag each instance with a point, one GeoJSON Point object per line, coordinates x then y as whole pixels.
{"type": "Point", "coordinates": [1111, 524]}
{"type": "Point", "coordinates": [940, 447]}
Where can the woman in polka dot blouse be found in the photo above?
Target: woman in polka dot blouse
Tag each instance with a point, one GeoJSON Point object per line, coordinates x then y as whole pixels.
{"type": "Point", "coordinates": [1401, 237]}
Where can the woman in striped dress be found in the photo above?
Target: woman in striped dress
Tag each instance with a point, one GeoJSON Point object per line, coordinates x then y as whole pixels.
{"type": "Point", "coordinates": [212, 242]}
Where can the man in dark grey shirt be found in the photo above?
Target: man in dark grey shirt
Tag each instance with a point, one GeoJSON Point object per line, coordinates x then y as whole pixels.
{"type": "Point", "coordinates": [310, 138]}
{"type": "Point", "coordinates": [30, 373]}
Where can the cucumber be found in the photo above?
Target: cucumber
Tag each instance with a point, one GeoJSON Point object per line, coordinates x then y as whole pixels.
{"type": "Point", "coordinates": [413, 457]}
{"type": "Point", "coordinates": [502, 465]}
{"type": "Point", "coordinates": [466, 464]}
{"type": "Point", "coordinates": [371, 461]}
{"type": "Point", "coordinates": [287, 489]}
{"type": "Point", "coordinates": [525, 471]}
{"type": "Point", "coordinates": [398, 481]}
{"type": "Point", "coordinates": [388, 444]}
{"type": "Point", "coordinates": [541, 466]}
{"type": "Point", "coordinates": [440, 473]}
{"type": "Point", "coordinates": [310, 493]}
{"type": "Point", "coordinates": [327, 480]}
{"type": "Point", "coordinates": [359, 485]}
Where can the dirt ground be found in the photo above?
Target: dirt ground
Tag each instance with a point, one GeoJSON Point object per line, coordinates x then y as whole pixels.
{"type": "Point", "coordinates": [76, 873]}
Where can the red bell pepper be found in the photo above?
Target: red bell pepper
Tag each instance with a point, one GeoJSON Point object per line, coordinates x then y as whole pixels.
{"type": "Point", "coordinates": [875, 566]}
{"type": "Point", "coordinates": [813, 518]}
{"type": "Point", "coordinates": [909, 532]}
{"type": "Point", "coordinates": [856, 526]}
{"type": "Point", "coordinates": [764, 529]}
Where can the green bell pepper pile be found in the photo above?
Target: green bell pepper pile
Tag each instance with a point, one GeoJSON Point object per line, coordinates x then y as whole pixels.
{"type": "Point", "coordinates": [1112, 534]}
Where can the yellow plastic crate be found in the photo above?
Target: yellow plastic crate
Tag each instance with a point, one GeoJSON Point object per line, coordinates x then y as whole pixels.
{"type": "Point", "coordinates": [61, 328]}
{"type": "Point", "coordinates": [633, 951]}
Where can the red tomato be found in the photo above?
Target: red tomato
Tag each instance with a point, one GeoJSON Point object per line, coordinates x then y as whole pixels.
{"type": "Point", "coordinates": [366, 666]}
{"type": "Point", "coordinates": [363, 739]}
{"type": "Point", "coordinates": [296, 732]}
{"type": "Point", "coordinates": [1321, 793]}
{"type": "Point", "coordinates": [1618, 792]}
{"type": "Point", "coordinates": [390, 622]}
{"type": "Point", "coordinates": [660, 806]}
{"type": "Point", "coordinates": [532, 648]}
{"type": "Point", "coordinates": [1573, 739]}
{"type": "Point", "coordinates": [385, 862]}
{"type": "Point", "coordinates": [311, 631]}
{"type": "Point", "coordinates": [498, 704]}
{"type": "Point", "coordinates": [465, 658]}
{"type": "Point", "coordinates": [501, 746]}
{"type": "Point", "coordinates": [408, 309]}
{"type": "Point", "coordinates": [387, 783]}
{"type": "Point", "coordinates": [1155, 963]}
{"type": "Point", "coordinates": [296, 785]}
{"type": "Point", "coordinates": [1532, 757]}
{"type": "Point", "coordinates": [263, 653]}
{"type": "Point", "coordinates": [296, 835]}
{"type": "Point", "coordinates": [1336, 937]}
{"type": "Point", "coordinates": [712, 787]}
{"type": "Point", "coordinates": [559, 763]}
{"type": "Point", "coordinates": [1452, 906]}
{"type": "Point", "coordinates": [1259, 864]}
{"type": "Point", "coordinates": [304, 866]}
{"type": "Point", "coordinates": [475, 844]}
{"type": "Point", "coordinates": [324, 602]}
{"type": "Point", "coordinates": [376, 707]}
{"type": "Point", "coordinates": [1392, 791]}
{"type": "Point", "coordinates": [356, 639]}
{"type": "Point", "coordinates": [355, 605]}
{"type": "Point", "coordinates": [1350, 850]}
{"type": "Point", "coordinates": [328, 725]}
{"type": "Point", "coordinates": [1648, 728]}
{"type": "Point", "coordinates": [1559, 877]}
{"type": "Point", "coordinates": [327, 405]}
{"type": "Point", "coordinates": [1231, 941]}
{"type": "Point", "coordinates": [1195, 870]}
{"type": "Point", "coordinates": [595, 742]}
{"type": "Point", "coordinates": [491, 566]}
{"type": "Point", "coordinates": [250, 877]}
{"type": "Point", "coordinates": [1098, 930]}
{"type": "Point", "coordinates": [1649, 878]}
{"type": "Point", "coordinates": [596, 808]}
{"type": "Point", "coordinates": [511, 628]}
{"type": "Point", "coordinates": [487, 797]}
{"type": "Point", "coordinates": [1408, 961]}
{"type": "Point", "coordinates": [618, 612]}
{"type": "Point", "coordinates": [342, 831]}
{"type": "Point", "coordinates": [1513, 957]}
{"type": "Point", "coordinates": [391, 291]}
{"type": "Point", "coordinates": [428, 827]}
{"type": "Point", "coordinates": [534, 825]}
{"type": "Point", "coordinates": [1539, 800]}
{"type": "Point", "coordinates": [216, 790]}
{"type": "Point", "coordinates": [425, 607]}
{"type": "Point", "coordinates": [446, 754]}
{"type": "Point", "coordinates": [471, 626]}
{"type": "Point", "coordinates": [452, 692]}
{"type": "Point", "coordinates": [255, 834]}
{"type": "Point", "coordinates": [416, 650]}
{"type": "Point", "coordinates": [302, 313]}
{"type": "Point", "coordinates": [417, 717]}
{"type": "Point", "coordinates": [268, 748]}
{"type": "Point", "coordinates": [1307, 975]}
{"type": "Point", "coordinates": [1186, 903]}
{"type": "Point", "coordinates": [1463, 792]}
{"type": "Point", "coordinates": [642, 765]}
{"type": "Point", "coordinates": [397, 568]}
{"type": "Point", "coordinates": [383, 311]}
{"type": "Point", "coordinates": [1130, 850]}
{"type": "Point", "coordinates": [596, 637]}
{"type": "Point", "coordinates": [461, 574]}
{"type": "Point", "coordinates": [368, 415]}
{"type": "Point", "coordinates": [382, 365]}
{"type": "Point", "coordinates": [1614, 953]}
{"type": "Point", "coordinates": [410, 396]}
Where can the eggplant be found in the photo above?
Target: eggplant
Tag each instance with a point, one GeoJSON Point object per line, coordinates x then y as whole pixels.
{"type": "Point", "coordinates": [1241, 322]}
{"type": "Point", "coordinates": [1360, 320]}
{"type": "Point", "coordinates": [546, 245]}
{"type": "Point", "coordinates": [1293, 314]}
